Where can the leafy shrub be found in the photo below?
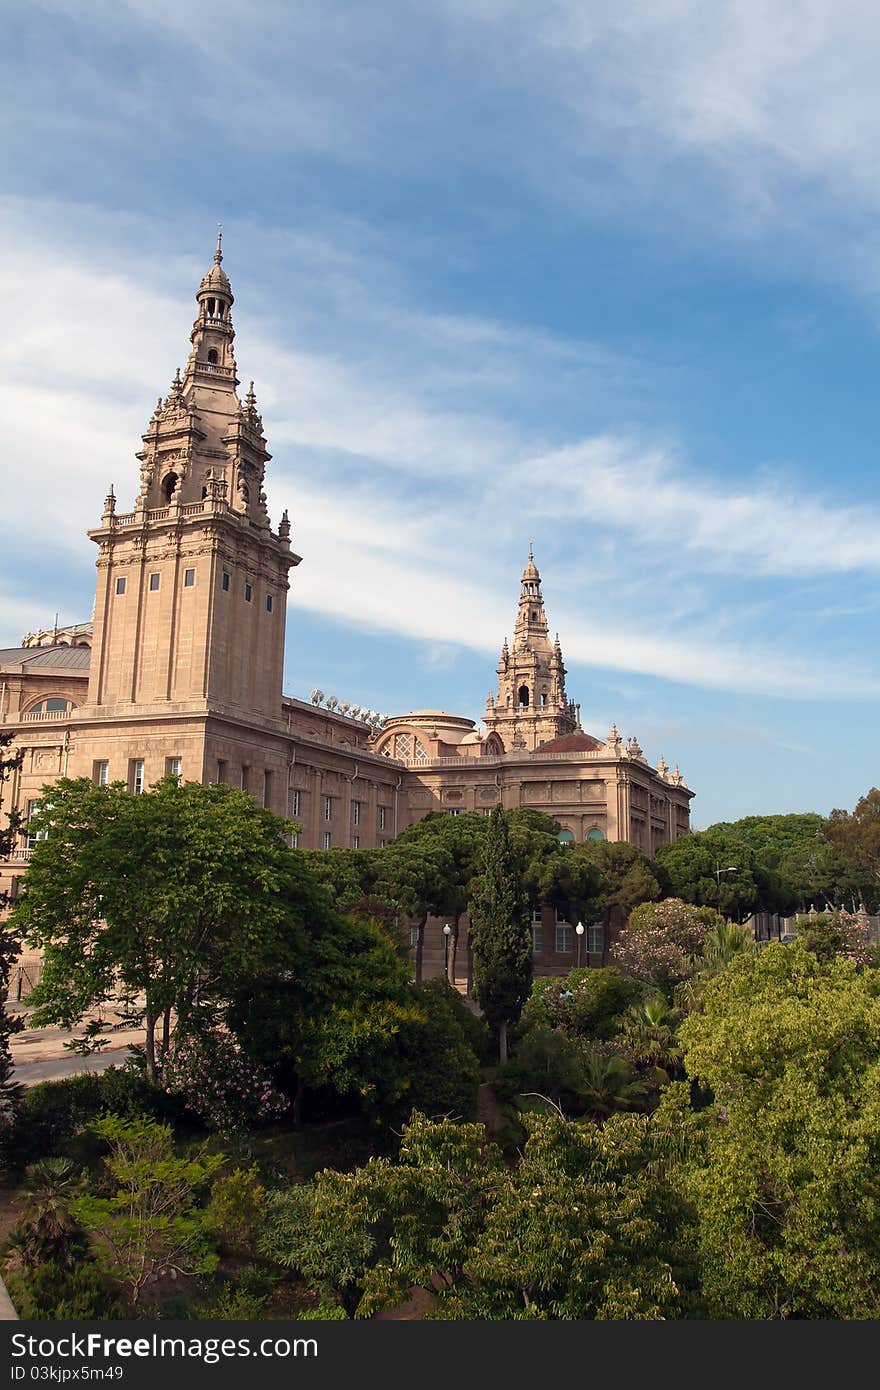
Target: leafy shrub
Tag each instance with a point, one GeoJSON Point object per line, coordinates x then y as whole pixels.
{"type": "Point", "coordinates": [546, 1063]}
{"type": "Point", "coordinates": [50, 1292]}
{"type": "Point", "coordinates": [584, 1003]}
{"type": "Point", "coordinates": [474, 1028]}
{"type": "Point", "coordinates": [243, 1300]}
{"type": "Point", "coordinates": [236, 1208]}
{"type": "Point", "coordinates": [433, 1067]}
{"type": "Point", "coordinates": [53, 1113]}
{"type": "Point", "coordinates": [832, 934]}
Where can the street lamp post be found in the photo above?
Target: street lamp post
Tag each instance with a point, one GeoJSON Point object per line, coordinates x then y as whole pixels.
{"type": "Point", "coordinates": [447, 932]}
{"type": "Point", "coordinates": [580, 936]}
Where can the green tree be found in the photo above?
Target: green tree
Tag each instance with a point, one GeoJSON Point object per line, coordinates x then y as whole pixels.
{"type": "Point", "coordinates": [454, 845]}
{"type": "Point", "coordinates": [587, 1225]}
{"type": "Point", "coordinates": [629, 877]}
{"type": "Point", "coordinates": [151, 1223]}
{"type": "Point", "coordinates": [414, 876]}
{"type": "Point", "coordinates": [10, 949]}
{"type": "Point", "coordinates": [335, 1020]}
{"type": "Point", "coordinates": [788, 1187]}
{"type": "Point", "coordinates": [168, 898]}
{"type": "Point", "coordinates": [857, 837]}
{"type": "Point", "coordinates": [501, 933]}
{"type": "Point", "coordinates": [366, 1238]}
{"type": "Point", "coordinates": [719, 869]}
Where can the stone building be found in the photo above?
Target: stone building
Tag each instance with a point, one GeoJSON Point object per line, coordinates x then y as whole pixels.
{"type": "Point", "coordinates": [181, 669]}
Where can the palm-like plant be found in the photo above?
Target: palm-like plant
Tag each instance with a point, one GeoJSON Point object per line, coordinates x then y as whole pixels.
{"type": "Point", "coordinates": [649, 1034]}
{"type": "Point", "coordinates": [608, 1084]}
{"type": "Point", "coordinates": [723, 944]}
{"type": "Point", "coordinates": [49, 1229]}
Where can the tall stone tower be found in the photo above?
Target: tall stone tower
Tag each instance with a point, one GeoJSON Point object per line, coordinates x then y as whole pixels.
{"type": "Point", "coordinates": [190, 605]}
{"type": "Point", "coordinates": [531, 707]}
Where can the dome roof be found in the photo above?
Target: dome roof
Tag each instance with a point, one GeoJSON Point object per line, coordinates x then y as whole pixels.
{"type": "Point", "coordinates": [216, 281]}
{"type": "Point", "coordinates": [531, 569]}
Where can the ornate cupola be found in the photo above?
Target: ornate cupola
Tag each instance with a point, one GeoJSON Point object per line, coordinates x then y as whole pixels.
{"type": "Point", "coordinates": [212, 337]}
{"type": "Point", "coordinates": [531, 707]}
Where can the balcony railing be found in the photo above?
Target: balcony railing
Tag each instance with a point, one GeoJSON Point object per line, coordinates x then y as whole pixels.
{"type": "Point", "coordinates": [49, 714]}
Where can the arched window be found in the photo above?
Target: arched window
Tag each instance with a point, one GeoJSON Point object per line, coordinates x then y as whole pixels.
{"type": "Point", "coordinates": [594, 833]}
{"type": "Point", "coordinates": [543, 698]}
{"type": "Point", "coordinates": [54, 705]}
{"type": "Point", "coordinates": [169, 483]}
{"type": "Point", "coordinates": [523, 697]}
{"type": "Point", "coordinates": [212, 356]}
{"type": "Point", "coordinates": [566, 837]}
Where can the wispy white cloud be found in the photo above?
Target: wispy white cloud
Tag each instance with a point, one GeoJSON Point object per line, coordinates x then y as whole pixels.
{"type": "Point", "coordinates": [411, 504]}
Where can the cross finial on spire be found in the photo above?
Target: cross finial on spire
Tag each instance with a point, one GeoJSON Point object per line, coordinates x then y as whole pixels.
{"type": "Point", "coordinates": [531, 555]}
{"type": "Point", "coordinates": [218, 254]}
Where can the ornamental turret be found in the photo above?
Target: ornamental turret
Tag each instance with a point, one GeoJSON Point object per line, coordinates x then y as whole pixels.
{"type": "Point", "coordinates": [531, 707]}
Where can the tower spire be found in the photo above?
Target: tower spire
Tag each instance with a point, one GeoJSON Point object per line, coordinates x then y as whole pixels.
{"type": "Point", "coordinates": [218, 252]}
{"type": "Point", "coordinates": [531, 707]}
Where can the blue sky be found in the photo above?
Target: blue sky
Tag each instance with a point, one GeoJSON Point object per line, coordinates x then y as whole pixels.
{"type": "Point", "coordinates": [609, 282]}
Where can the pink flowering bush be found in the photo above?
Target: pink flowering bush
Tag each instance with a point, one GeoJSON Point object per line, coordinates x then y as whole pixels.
{"type": "Point", "coordinates": [837, 933]}
{"type": "Point", "coordinates": [663, 941]}
{"type": "Point", "coordinates": [228, 1092]}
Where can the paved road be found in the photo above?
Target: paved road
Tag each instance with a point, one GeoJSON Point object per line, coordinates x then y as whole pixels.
{"type": "Point", "coordinates": [54, 1068]}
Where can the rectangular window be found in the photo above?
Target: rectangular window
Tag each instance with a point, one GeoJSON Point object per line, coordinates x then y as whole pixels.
{"type": "Point", "coordinates": [225, 582]}
{"type": "Point", "coordinates": [561, 917]}
{"type": "Point", "coordinates": [173, 767]}
{"type": "Point", "coordinates": [326, 839]}
{"type": "Point", "coordinates": [381, 817]}
{"type": "Point", "coordinates": [101, 774]}
{"type": "Point", "coordinates": [355, 841]}
{"type": "Point", "coordinates": [595, 939]}
{"type": "Point", "coordinates": [189, 578]}
{"type": "Point", "coordinates": [136, 776]}
{"type": "Point", "coordinates": [268, 603]}
{"type": "Point", "coordinates": [294, 841]}
{"type": "Point", "coordinates": [221, 770]}
{"type": "Point", "coordinates": [245, 776]}
{"type": "Point", "coordinates": [355, 813]}
{"type": "Point", "coordinates": [382, 844]}
{"type": "Point", "coordinates": [328, 807]}
{"type": "Point", "coordinates": [537, 916]}
{"type": "Point", "coordinates": [248, 593]}
{"type": "Point", "coordinates": [454, 811]}
{"type": "Point", "coordinates": [294, 804]}
{"type": "Point", "coordinates": [32, 806]}
{"type": "Point", "coordinates": [537, 938]}
{"type": "Point", "coordinates": [154, 583]}
{"type": "Point", "coordinates": [563, 940]}
{"type": "Point", "coordinates": [120, 586]}
{"type": "Point", "coordinates": [413, 938]}
{"type": "Point", "coordinates": [267, 787]}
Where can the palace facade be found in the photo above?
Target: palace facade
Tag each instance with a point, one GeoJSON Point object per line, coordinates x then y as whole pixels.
{"type": "Point", "coordinates": [181, 671]}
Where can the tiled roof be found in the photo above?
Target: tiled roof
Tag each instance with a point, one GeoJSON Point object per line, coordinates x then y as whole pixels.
{"type": "Point", "coordinates": [570, 743]}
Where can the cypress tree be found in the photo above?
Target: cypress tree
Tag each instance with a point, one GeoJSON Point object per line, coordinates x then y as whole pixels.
{"type": "Point", "coordinates": [500, 933]}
